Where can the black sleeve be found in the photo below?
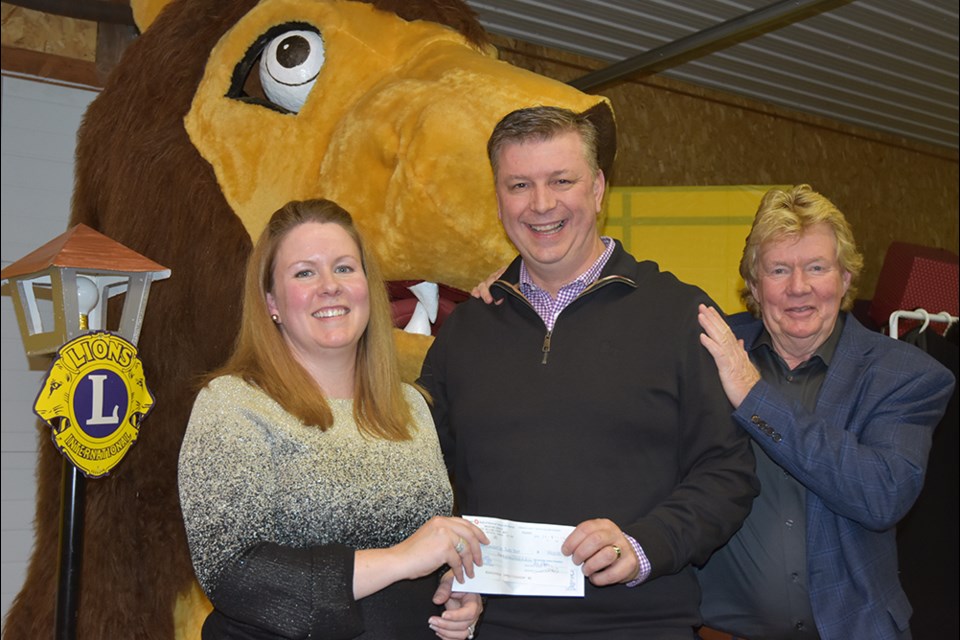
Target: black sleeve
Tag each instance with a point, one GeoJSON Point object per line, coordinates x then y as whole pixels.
{"type": "Point", "coordinates": [290, 592]}
{"type": "Point", "coordinates": [432, 380]}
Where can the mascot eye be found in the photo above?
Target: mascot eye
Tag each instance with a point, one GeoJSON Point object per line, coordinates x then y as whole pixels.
{"type": "Point", "coordinates": [289, 67]}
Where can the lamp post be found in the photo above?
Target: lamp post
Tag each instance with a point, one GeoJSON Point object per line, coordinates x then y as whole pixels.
{"type": "Point", "coordinates": [60, 292]}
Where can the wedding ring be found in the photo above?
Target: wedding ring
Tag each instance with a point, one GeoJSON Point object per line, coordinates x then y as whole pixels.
{"type": "Point", "coordinates": [461, 546]}
{"type": "Point", "coordinates": [617, 549]}
{"type": "Point", "coordinates": [470, 631]}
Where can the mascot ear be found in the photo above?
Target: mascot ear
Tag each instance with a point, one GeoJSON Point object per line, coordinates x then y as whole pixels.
{"type": "Point", "coordinates": [146, 11]}
{"type": "Point", "coordinates": [602, 118]}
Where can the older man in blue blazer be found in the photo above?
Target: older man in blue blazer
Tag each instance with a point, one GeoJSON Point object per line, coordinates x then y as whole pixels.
{"type": "Point", "coordinates": [841, 420]}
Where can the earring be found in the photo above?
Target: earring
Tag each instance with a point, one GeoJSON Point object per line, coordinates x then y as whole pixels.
{"type": "Point", "coordinates": [275, 318]}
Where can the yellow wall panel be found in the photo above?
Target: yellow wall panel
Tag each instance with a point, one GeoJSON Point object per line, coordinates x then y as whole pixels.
{"type": "Point", "coordinates": [697, 233]}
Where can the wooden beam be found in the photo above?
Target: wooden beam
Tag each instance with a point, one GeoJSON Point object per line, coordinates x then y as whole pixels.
{"type": "Point", "coordinates": [50, 66]}
{"type": "Point", "coordinates": [108, 11]}
{"type": "Point", "coordinates": [112, 41]}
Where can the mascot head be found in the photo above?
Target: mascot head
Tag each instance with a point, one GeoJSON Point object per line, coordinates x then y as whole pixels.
{"type": "Point", "coordinates": [386, 116]}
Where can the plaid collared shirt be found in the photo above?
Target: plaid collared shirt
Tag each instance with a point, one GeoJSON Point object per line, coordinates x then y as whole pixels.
{"type": "Point", "coordinates": [548, 307]}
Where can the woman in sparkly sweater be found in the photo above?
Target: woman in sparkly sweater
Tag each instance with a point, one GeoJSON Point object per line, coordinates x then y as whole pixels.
{"type": "Point", "coordinates": [315, 499]}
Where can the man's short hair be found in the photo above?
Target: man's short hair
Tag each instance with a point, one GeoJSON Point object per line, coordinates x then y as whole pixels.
{"type": "Point", "coordinates": [540, 124]}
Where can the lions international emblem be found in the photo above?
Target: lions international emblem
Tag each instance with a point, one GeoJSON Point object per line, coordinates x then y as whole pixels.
{"type": "Point", "coordinates": [94, 398]}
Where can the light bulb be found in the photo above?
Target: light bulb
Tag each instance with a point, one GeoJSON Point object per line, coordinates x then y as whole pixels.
{"type": "Point", "coordinates": [87, 298]}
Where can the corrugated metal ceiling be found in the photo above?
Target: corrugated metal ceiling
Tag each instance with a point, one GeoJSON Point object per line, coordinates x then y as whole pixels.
{"type": "Point", "coordinates": [887, 65]}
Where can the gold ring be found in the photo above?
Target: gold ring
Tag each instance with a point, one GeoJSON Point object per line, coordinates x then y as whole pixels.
{"type": "Point", "coordinates": [460, 547]}
{"type": "Point", "coordinates": [617, 549]}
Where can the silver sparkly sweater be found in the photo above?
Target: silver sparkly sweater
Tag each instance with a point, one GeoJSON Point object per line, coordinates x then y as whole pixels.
{"type": "Point", "coordinates": [274, 509]}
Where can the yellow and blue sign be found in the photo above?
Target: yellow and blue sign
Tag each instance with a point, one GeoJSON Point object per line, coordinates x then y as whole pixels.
{"type": "Point", "coordinates": [94, 398]}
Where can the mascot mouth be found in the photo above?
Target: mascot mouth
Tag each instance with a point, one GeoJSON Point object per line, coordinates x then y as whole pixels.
{"type": "Point", "coordinates": [414, 301]}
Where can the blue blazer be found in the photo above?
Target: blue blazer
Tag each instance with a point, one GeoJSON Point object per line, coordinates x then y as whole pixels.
{"type": "Point", "coordinates": [862, 457]}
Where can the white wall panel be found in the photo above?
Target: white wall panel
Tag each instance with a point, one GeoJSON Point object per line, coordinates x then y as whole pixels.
{"type": "Point", "coordinates": [37, 141]}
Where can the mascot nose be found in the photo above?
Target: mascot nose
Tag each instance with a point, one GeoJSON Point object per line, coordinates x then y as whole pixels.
{"type": "Point", "coordinates": [423, 141]}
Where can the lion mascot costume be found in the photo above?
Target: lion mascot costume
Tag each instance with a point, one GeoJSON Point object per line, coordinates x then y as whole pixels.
{"type": "Point", "coordinates": [218, 114]}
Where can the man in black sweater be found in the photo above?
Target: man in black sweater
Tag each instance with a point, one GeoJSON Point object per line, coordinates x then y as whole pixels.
{"type": "Point", "coordinates": [584, 398]}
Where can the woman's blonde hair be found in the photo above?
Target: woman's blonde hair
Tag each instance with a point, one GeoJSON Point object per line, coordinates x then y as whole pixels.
{"type": "Point", "coordinates": [262, 357]}
{"type": "Point", "coordinates": [785, 214]}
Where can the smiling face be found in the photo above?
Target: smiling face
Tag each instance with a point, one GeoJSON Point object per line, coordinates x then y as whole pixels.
{"type": "Point", "coordinates": [800, 286]}
{"type": "Point", "coordinates": [320, 292]}
{"type": "Point", "coordinates": [548, 200]}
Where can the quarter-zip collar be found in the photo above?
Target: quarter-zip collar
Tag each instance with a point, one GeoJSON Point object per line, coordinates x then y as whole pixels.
{"type": "Point", "coordinates": [613, 272]}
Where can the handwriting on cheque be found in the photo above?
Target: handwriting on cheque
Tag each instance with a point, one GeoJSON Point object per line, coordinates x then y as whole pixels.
{"type": "Point", "coordinates": [524, 559]}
